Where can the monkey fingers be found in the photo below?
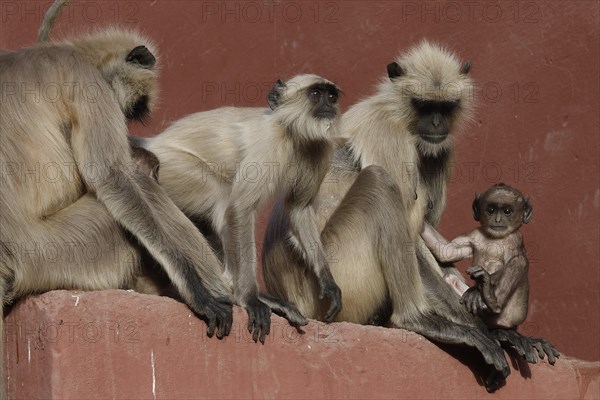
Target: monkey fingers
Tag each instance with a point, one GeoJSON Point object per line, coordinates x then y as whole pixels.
{"type": "Point", "coordinates": [495, 381]}
{"type": "Point", "coordinates": [218, 314]}
{"type": "Point", "coordinates": [516, 341]}
{"type": "Point", "coordinates": [478, 274]}
{"type": "Point", "coordinates": [259, 319]}
{"type": "Point", "coordinates": [284, 309]}
{"type": "Point", "coordinates": [471, 300]}
{"type": "Point", "coordinates": [544, 348]}
{"type": "Point", "coordinates": [332, 291]}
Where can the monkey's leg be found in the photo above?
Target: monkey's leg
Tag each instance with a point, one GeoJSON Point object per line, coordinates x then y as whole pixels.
{"type": "Point", "coordinates": [368, 225]}
{"type": "Point", "coordinates": [526, 345]}
{"type": "Point", "coordinates": [240, 257]}
{"type": "Point", "coordinates": [79, 247]}
{"type": "Point", "coordinates": [304, 227]}
{"type": "Point", "coordinates": [284, 309]}
{"type": "Point", "coordinates": [459, 286]}
{"type": "Point", "coordinates": [440, 329]}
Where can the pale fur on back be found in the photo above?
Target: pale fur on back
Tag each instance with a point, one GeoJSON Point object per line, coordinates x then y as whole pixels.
{"type": "Point", "coordinates": [236, 144]}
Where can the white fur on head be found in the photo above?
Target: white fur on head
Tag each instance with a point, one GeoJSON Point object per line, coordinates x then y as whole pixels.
{"type": "Point", "coordinates": [429, 72]}
{"type": "Point", "coordinates": [294, 110]}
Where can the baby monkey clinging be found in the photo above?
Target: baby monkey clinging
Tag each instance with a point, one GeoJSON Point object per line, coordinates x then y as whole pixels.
{"type": "Point", "coordinates": [500, 266]}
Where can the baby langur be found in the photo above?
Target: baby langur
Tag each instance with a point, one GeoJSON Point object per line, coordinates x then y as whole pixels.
{"type": "Point", "coordinates": [221, 166]}
{"type": "Point", "coordinates": [144, 161]}
{"type": "Point", "coordinates": [499, 269]}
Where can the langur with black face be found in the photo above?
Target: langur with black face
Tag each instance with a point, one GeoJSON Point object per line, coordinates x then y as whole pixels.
{"type": "Point", "coordinates": [72, 199]}
{"type": "Point", "coordinates": [221, 166]}
{"type": "Point", "coordinates": [389, 177]}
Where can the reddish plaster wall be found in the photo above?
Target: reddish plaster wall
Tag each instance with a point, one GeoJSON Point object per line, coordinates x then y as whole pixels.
{"type": "Point", "coordinates": [115, 344]}
{"type": "Point", "coordinates": [537, 68]}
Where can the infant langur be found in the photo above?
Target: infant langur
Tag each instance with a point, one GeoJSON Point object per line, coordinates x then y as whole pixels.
{"type": "Point", "coordinates": [500, 266]}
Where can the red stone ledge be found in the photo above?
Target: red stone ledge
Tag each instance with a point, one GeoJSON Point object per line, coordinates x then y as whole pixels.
{"type": "Point", "coordinates": [119, 344]}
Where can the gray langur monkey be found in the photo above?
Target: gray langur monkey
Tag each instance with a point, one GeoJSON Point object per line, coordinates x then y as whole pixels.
{"type": "Point", "coordinates": [221, 166]}
{"type": "Point", "coordinates": [75, 209]}
{"type": "Point", "coordinates": [389, 175]}
{"type": "Point", "coordinates": [144, 160]}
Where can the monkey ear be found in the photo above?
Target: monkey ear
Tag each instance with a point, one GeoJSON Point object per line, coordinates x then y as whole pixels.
{"type": "Point", "coordinates": [466, 68]}
{"type": "Point", "coordinates": [527, 211]}
{"type": "Point", "coordinates": [394, 70]}
{"type": "Point", "coordinates": [475, 206]}
{"type": "Point", "coordinates": [274, 96]}
{"type": "Point", "coordinates": [142, 56]}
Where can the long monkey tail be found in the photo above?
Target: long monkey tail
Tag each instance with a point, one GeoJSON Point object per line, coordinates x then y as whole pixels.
{"type": "Point", "coordinates": [49, 19]}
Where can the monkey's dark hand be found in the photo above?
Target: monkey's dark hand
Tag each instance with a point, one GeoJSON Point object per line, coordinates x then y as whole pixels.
{"type": "Point", "coordinates": [473, 301]}
{"type": "Point", "coordinates": [332, 291]}
{"type": "Point", "coordinates": [217, 312]}
{"type": "Point", "coordinates": [478, 274]}
{"type": "Point", "coordinates": [284, 309]}
{"type": "Point", "coordinates": [259, 319]}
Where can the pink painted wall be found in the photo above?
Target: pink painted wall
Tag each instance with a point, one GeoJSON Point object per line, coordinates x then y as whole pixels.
{"type": "Point", "coordinates": [98, 345]}
{"type": "Point", "coordinates": [537, 69]}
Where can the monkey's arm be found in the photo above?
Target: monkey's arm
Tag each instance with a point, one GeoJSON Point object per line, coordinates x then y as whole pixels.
{"type": "Point", "coordinates": [458, 249]}
{"type": "Point", "coordinates": [99, 144]}
{"type": "Point", "coordinates": [498, 287]}
{"type": "Point", "coordinates": [304, 226]}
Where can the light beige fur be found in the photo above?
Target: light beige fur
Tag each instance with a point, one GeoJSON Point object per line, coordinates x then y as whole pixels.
{"type": "Point", "coordinates": [70, 189]}
{"type": "Point", "coordinates": [223, 165]}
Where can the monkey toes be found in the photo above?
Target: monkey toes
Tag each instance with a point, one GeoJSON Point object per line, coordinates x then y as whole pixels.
{"type": "Point", "coordinates": [217, 313]}
{"type": "Point", "coordinates": [527, 346]}
{"type": "Point", "coordinates": [331, 291]}
{"type": "Point", "coordinates": [259, 320]}
{"type": "Point", "coordinates": [284, 309]}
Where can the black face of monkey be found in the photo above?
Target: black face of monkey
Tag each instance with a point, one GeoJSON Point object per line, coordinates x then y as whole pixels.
{"type": "Point", "coordinates": [140, 57]}
{"type": "Point", "coordinates": [501, 211]}
{"type": "Point", "coordinates": [324, 99]}
{"type": "Point", "coordinates": [434, 118]}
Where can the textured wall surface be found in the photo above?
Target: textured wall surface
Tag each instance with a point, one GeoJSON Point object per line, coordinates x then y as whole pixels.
{"type": "Point", "coordinates": [536, 64]}
{"type": "Point", "coordinates": [115, 344]}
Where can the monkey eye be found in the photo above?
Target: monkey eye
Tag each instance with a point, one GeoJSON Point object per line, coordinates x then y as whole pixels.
{"type": "Point", "coordinates": [490, 210]}
{"type": "Point", "coordinates": [507, 211]}
{"type": "Point", "coordinates": [333, 97]}
{"type": "Point", "coordinates": [315, 95]}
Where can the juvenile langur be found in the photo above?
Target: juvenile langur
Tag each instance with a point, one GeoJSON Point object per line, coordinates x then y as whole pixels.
{"type": "Point", "coordinates": [74, 212]}
{"type": "Point", "coordinates": [388, 177]}
{"type": "Point", "coordinates": [221, 166]}
{"type": "Point", "coordinates": [500, 265]}
{"type": "Point", "coordinates": [144, 160]}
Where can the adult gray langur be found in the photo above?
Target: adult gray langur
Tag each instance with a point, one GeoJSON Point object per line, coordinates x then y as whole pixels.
{"type": "Point", "coordinates": [221, 166]}
{"type": "Point", "coordinates": [76, 210]}
{"type": "Point", "coordinates": [389, 175]}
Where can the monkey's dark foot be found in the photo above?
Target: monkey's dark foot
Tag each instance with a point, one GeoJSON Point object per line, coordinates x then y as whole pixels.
{"type": "Point", "coordinates": [332, 291]}
{"type": "Point", "coordinates": [527, 346]}
{"type": "Point", "coordinates": [496, 380]}
{"type": "Point", "coordinates": [284, 309]}
{"type": "Point", "coordinates": [217, 312]}
{"type": "Point", "coordinates": [543, 347]}
{"type": "Point", "coordinates": [441, 329]}
{"type": "Point", "coordinates": [259, 319]}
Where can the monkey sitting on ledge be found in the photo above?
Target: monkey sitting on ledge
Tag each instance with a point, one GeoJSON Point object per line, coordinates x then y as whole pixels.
{"type": "Point", "coordinates": [500, 266]}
